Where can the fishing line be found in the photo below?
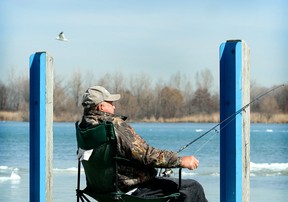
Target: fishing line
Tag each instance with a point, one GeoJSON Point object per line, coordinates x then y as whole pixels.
{"type": "Point", "coordinates": [216, 132]}
{"type": "Point", "coordinates": [206, 142]}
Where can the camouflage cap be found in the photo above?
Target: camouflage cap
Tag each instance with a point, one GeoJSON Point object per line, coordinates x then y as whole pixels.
{"type": "Point", "coordinates": [97, 94]}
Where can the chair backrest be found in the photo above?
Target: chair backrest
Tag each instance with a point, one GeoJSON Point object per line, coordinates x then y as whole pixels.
{"type": "Point", "coordinates": [100, 169]}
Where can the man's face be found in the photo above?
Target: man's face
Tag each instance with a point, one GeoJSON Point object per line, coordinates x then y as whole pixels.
{"type": "Point", "coordinates": [107, 106]}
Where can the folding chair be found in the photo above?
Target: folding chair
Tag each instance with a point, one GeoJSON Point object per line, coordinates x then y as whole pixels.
{"type": "Point", "coordinates": [101, 168]}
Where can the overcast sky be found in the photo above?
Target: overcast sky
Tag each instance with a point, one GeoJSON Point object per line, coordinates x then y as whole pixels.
{"type": "Point", "coordinates": [154, 37]}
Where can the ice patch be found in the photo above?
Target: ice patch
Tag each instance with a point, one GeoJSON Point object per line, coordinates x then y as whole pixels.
{"type": "Point", "coordinates": [199, 130]}
{"type": "Point", "coordinates": [13, 177]}
{"type": "Point", "coordinates": [268, 169]}
{"type": "Point", "coordinates": [66, 170]}
{"type": "Point", "coordinates": [268, 166]}
{"type": "Point", "coordinates": [4, 167]}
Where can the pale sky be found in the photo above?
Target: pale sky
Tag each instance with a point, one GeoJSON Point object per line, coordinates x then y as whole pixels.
{"type": "Point", "coordinates": [155, 37]}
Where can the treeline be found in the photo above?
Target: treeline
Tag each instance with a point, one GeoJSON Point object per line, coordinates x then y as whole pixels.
{"type": "Point", "coordinates": [142, 98]}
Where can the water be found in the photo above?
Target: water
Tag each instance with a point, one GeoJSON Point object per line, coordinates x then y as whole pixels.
{"type": "Point", "coordinates": [269, 159]}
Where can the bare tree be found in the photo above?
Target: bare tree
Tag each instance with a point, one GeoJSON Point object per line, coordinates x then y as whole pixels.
{"type": "Point", "coordinates": [24, 93]}
{"type": "Point", "coordinates": [13, 98]}
{"type": "Point", "coordinates": [172, 103]}
{"type": "Point", "coordinates": [157, 105]}
{"type": "Point", "coordinates": [60, 96]}
{"type": "Point", "coordinates": [76, 88]}
{"type": "Point", "coordinates": [255, 91]}
{"type": "Point", "coordinates": [140, 86]}
{"type": "Point", "coordinates": [127, 105]}
{"type": "Point", "coordinates": [282, 99]}
{"type": "Point", "coordinates": [188, 96]}
{"type": "Point", "coordinates": [117, 82]}
{"type": "Point", "coordinates": [176, 80]}
{"type": "Point", "coordinates": [89, 79]}
{"type": "Point", "coordinates": [105, 81]}
{"type": "Point", "coordinates": [204, 79]}
{"type": "Point", "coordinates": [3, 96]}
{"type": "Point", "coordinates": [202, 101]}
{"type": "Point", "coordinates": [268, 106]}
{"type": "Point", "coordinates": [114, 82]}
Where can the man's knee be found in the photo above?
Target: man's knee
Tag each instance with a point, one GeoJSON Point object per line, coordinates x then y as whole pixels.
{"type": "Point", "coordinates": [192, 190]}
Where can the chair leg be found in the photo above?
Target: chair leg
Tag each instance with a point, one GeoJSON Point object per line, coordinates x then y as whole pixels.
{"type": "Point", "coordinates": [79, 193]}
{"type": "Point", "coordinates": [180, 176]}
{"type": "Point", "coordinates": [81, 196]}
{"type": "Point", "coordinates": [78, 181]}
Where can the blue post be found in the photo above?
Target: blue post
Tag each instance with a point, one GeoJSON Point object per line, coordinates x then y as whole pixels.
{"type": "Point", "coordinates": [40, 127]}
{"type": "Point", "coordinates": [234, 83]}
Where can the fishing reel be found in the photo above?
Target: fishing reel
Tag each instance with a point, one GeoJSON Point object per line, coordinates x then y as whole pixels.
{"type": "Point", "coordinates": [166, 173]}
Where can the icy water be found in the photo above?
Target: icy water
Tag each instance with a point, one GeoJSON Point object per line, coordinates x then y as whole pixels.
{"type": "Point", "coordinates": [269, 158]}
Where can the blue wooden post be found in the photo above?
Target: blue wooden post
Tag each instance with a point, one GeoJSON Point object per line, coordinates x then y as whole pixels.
{"type": "Point", "coordinates": [235, 136]}
{"type": "Point", "coordinates": [41, 122]}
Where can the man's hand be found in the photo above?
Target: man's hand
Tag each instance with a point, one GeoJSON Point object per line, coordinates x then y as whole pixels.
{"type": "Point", "coordinates": [189, 162]}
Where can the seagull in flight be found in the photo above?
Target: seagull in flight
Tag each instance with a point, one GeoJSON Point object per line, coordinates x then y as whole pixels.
{"type": "Point", "coordinates": [61, 37]}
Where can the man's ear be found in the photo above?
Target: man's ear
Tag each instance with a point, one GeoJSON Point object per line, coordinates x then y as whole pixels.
{"type": "Point", "coordinates": [100, 107]}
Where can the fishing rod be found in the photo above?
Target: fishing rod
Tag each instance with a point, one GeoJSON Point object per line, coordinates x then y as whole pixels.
{"type": "Point", "coordinates": [168, 172]}
{"type": "Point", "coordinates": [229, 117]}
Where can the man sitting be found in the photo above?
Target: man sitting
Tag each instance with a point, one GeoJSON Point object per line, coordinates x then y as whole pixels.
{"type": "Point", "coordinates": [139, 179]}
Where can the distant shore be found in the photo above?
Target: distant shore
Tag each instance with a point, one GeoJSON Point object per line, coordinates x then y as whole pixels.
{"type": "Point", "coordinates": [197, 118]}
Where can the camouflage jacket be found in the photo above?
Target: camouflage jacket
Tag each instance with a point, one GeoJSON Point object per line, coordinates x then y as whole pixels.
{"type": "Point", "coordinates": [130, 145]}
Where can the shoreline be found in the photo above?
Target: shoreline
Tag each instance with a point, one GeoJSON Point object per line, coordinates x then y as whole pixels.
{"type": "Point", "coordinates": [199, 118]}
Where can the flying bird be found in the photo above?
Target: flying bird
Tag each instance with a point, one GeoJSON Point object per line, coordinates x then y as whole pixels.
{"type": "Point", "coordinates": [61, 37]}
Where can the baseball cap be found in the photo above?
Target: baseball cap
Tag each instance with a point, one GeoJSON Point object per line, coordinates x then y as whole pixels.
{"type": "Point", "coordinates": [97, 94]}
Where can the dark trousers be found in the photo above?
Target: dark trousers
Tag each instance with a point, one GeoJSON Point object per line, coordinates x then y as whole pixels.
{"type": "Point", "coordinates": [191, 190]}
